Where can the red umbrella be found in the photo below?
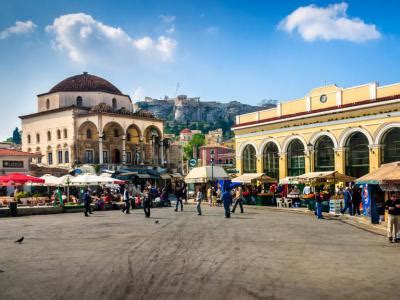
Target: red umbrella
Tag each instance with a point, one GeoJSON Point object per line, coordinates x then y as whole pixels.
{"type": "Point", "coordinates": [18, 179]}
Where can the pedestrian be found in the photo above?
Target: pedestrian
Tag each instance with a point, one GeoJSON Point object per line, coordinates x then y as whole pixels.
{"type": "Point", "coordinates": [126, 200]}
{"type": "Point", "coordinates": [184, 193]}
{"type": "Point", "coordinates": [318, 201]}
{"type": "Point", "coordinates": [199, 198]}
{"type": "Point", "coordinates": [146, 203]}
{"type": "Point", "coordinates": [347, 202]}
{"type": "Point", "coordinates": [178, 195]}
{"type": "Point", "coordinates": [393, 207]}
{"type": "Point", "coordinates": [238, 199]}
{"type": "Point", "coordinates": [356, 200]}
{"type": "Point", "coordinates": [227, 200]}
{"type": "Point", "coordinates": [209, 195]}
{"type": "Point", "coordinates": [86, 201]}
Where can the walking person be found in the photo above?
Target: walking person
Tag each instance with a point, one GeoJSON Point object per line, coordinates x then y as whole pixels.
{"type": "Point", "coordinates": [199, 198]}
{"type": "Point", "coordinates": [209, 195]}
{"type": "Point", "coordinates": [347, 202]}
{"type": "Point", "coordinates": [178, 195]}
{"type": "Point", "coordinates": [393, 207]}
{"type": "Point", "coordinates": [127, 201]}
{"type": "Point", "coordinates": [227, 200]}
{"type": "Point", "coordinates": [146, 203]}
{"type": "Point", "coordinates": [238, 199]}
{"type": "Point", "coordinates": [318, 201]}
{"type": "Point", "coordinates": [356, 200]}
{"type": "Point", "coordinates": [86, 202]}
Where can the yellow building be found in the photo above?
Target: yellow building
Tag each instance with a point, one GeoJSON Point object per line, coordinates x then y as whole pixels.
{"type": "Point", "coordinates": [350, 130]}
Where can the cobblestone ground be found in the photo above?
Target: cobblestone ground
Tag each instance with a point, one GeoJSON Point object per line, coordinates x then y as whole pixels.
{"type": "Point", "coordinates": [261, 254]}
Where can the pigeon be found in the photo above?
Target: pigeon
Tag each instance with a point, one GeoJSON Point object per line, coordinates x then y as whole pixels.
{"type": "Point", "coordinates": [1, 271]}
{"type": "Point", "coordinates": [156, 221]}
{"type": "Point", "coordinates": [19, 241]}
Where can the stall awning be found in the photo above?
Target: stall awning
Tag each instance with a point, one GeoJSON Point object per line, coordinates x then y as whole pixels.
{"type": "Point", "coordinates": [205, 174]}
{"type": "Point", "coordinates": [326, 175]}
{"type": "Point", "coordinates": [176, 175]}
{"type": "Point", "coordinates": [387, 174]}
{"type": "Point", "coordinates": [249, 177]}
{"type": "Point", "coordinates": [165, 176]}
{"type": "Point", "coordinates": [143, 176]}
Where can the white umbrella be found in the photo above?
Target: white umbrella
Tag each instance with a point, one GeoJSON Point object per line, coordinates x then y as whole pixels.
{"type": "Point", "coordinates": [88, 179]}
{"type": "Point", "coordinates": [206, 173]}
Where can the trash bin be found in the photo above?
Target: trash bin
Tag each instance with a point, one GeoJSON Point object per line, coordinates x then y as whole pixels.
{"type": "Point", "coordinates": [13, 209]}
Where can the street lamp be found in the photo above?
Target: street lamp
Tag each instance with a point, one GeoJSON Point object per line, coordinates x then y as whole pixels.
{"type": "Point", "coordinates": [212, 166]}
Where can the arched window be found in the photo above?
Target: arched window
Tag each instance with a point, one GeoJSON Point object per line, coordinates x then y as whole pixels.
{"type": "Point", "coordinates": [295, 158]}
{"type": "Point", "coordinates": [65, 133]}
{"type": "Point", "coordinates": [66, 156]}
{"type": "Point", "coordinates": [79, 101]}
{"type": "Point", "coordinates": [357, 155]}
{"type": "Point", "coordinates": [48, 135]}
{"type": "Point", "coordinates": [271, 160]}
{"type": "Point", "coordinates": [114, 104]}
{"type": "Point", "coordinates": [128, 137]}
{"type": "Point", "coordinates": [391, 146]}
{"type": "Point", "coordinates": [249, 159]}
{"type": "Point", "coordinates": [88, 134]}
{"type": "Point", "coordinates": [29, 139]}
{"type": "Point", "coordinates": [58, 134]}
{"type": "Point", "coordinates": [116, 133]}
{"type": "Point", "coordinates": [37, 138]}
{"type": "Point", "coordinates": [324, 155]}
{"type": "Point", "coordinates": [47, 103]}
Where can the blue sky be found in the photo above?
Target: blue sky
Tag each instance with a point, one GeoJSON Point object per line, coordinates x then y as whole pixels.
{"type": "Point", "coordinates": [218, 50]}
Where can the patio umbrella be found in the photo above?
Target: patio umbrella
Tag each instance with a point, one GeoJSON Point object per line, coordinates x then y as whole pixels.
{"type": "Point", "coordinates": [206, 173]}
{"type": "Point", "coordinates": [386, 174]}
{"type": "Point", "coordinates": [88, 179]}
{"type": "Point", "coordinates": [19, 179]}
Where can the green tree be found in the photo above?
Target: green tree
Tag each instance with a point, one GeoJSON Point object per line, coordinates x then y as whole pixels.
{"type": "Point", "coordinates": [197, 141]}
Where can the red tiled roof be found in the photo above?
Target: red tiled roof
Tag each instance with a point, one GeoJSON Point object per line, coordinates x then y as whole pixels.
{"type": "Point", "coordinates": [305, 113]}
{"type": "Point", "coordinates": [186, 130]}
{"type": "Point", "coordinates": [13, 152]}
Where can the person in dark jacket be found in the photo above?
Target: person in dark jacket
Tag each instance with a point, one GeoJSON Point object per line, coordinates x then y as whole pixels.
{"type": "Point", "coordinates": [318, 201]}
{"type": "Point", "coordinates": [227, 200]}
{"type": "Point", "coordinates": [146, 203]}
{"type": "Point", "coordinates": [348, 205]}
{"type": "Point", "coordinates": [86, 202]}
{"type": "Point", "coordinates": [127, 201]}
{"type": "Point", "coordinates": [179, 196]}
{"type": "Point", "coordinates": [356, 200]}
{"type": "Point", "coordinates": [393, 207]}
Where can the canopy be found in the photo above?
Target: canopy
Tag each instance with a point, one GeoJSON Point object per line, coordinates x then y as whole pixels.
{"type": "Point", "coordinates": [326, 175]}
{"type": "Point", "coordinates": [206, 173]}
{"type": "Point", "coordinates": [386, 174]}
{"type": "Point", "coordinates": [88, 179]}
{"type": "Point", "coordinates": [249, 177]}
{"type": "Point", "coordinates": [18, 179]}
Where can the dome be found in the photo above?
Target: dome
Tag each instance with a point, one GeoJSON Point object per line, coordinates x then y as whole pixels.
{"type": "Point", "coordinates": [85, 83]}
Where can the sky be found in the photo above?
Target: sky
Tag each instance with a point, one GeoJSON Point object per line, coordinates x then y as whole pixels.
{"type": "Point", "coordinates": [217, 50]}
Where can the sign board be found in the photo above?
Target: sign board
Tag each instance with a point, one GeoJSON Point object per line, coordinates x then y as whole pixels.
{"type": "Point", "coordinates": [193, 162]}
{"type": "Point", "coordinates": [13, 164]}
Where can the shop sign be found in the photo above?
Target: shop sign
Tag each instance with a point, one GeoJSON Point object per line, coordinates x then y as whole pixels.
{"type": "Point", "coordinates": [13, 164]}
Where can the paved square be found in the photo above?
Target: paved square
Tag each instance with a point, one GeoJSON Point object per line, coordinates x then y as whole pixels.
{"type": "Point", "coordinates": [261, 254]}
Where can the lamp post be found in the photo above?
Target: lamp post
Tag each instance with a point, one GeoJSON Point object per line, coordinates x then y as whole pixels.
{"type": "Point", "coordinates": [212, 166]}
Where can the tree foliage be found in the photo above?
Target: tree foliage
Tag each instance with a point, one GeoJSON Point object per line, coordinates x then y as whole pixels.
{"type": "Point", "coordinates": [197, 141]}
{"type": "Point", "coordinates": [16, 136]}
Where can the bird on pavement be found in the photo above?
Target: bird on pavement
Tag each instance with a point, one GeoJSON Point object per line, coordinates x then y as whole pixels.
{"type": "Point", "coordinates": [156, 221]}
{"type": "Point", "coordinates": [19, 241]}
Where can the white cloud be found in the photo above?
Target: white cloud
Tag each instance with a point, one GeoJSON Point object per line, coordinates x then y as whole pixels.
{"type": "Point", "coordinates": [171, 29]}
{"type": "Point", "coordinates": [85, 38]}
{"type": "Point", "coordinates": [212, 30]}
{"type": "Point", "coordinates": [168, 19]}
{"type": "Point", "coordinates": [19, 28]}
{"type": "Point", "coordinates": [328, 23]}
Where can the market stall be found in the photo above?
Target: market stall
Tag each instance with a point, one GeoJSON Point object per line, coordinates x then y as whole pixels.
{"type": "Point", "coordinates": [254, 189]}
{"type": "Point", "coordinates": [377, 187]}
{"type": "Point", "coordinates": [325, 181]}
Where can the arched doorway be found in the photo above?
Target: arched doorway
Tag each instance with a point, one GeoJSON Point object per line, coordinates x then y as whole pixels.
{"type": "Point", "coordinates": [357, 155]}
{"type": "Point", "coordinates": [249, 159]}
{"type": "Point", "coordinates": [391, 146]}
{"type": "Point", "coordinates": [153, 148]}
{"type": "Point", "coordinates": [295, 158]}
{"type": "Point", "coordinates": [271, 160]}
{"type": "Point", "coordinates": [324, 157]}
{"type": "Point", "coordinates": [116, 156]}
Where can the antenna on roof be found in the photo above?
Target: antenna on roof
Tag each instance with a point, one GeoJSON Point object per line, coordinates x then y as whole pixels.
{"type": "Point", "coordinates": [176, 90]}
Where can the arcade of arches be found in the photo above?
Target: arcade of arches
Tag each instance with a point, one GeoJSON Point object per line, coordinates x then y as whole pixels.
{"type": "Point", "coordinates": [118, 146]}
{"type": "Point", "coordinates": [356, 155]}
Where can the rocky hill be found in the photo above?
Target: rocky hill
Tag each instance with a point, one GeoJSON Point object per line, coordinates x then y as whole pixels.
{"type": "Point", "coordinates": [191, 112]}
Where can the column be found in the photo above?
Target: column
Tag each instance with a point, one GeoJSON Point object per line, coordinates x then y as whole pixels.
{"type": "Point", "coordinates": [309, 161]}
{"type": "Point", "coordinates": [141, 151]}
{"type": "Point", "coordinates": [101, 149]}
{"type": "Point", "coordinates": [124, 149]}
{"type": "Point", "coordinates": [282, 165]}
{"type": "Point", "coordinates": [259, 164]}
{"type": "Point", "coordinates": [239, 164]}
{"type": "Point", "coordinates": [162, 152]}
{"type": "Point", "coordinates": [374, 157]}
{"type": "Point", "coordinates": [340, 159]}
